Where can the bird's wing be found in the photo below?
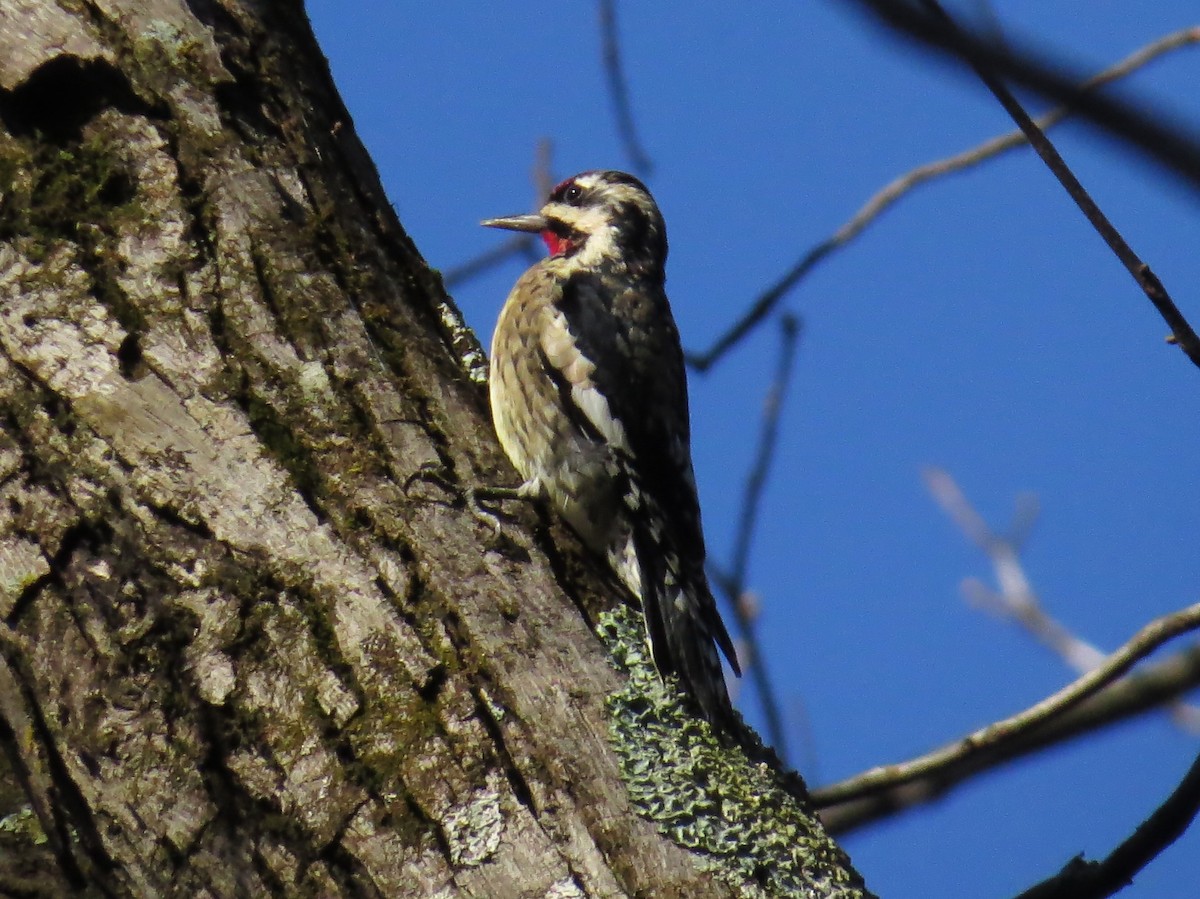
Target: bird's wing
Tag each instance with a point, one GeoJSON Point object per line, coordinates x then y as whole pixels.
{"type": "Point", "coordinates": [620, 354]}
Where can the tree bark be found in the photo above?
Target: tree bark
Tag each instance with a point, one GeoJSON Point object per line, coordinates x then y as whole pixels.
{"type": "Point", "coordinates": [254, 642]}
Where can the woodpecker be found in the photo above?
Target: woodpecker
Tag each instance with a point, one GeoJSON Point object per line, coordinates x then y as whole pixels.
{"type": "Point", "coordinates": [589, 399]}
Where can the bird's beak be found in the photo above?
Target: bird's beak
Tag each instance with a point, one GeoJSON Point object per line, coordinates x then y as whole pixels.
{"type": "Point", "coordinates": [533, 223]}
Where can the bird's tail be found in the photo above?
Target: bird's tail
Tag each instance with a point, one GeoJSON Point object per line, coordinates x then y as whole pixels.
{"type": "Point", "coordinates": [683, 625]}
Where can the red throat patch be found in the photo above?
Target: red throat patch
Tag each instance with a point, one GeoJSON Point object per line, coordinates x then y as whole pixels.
{"type": "Point", "coordinates": [555, 244]}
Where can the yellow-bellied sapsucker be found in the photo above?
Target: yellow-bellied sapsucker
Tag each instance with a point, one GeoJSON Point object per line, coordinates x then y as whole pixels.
{"type": "Point", "coordinates": [589, 399]}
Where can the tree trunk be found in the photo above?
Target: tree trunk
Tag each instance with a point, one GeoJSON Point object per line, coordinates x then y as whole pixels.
{"type": "Point", "coordinates": [253, 641]}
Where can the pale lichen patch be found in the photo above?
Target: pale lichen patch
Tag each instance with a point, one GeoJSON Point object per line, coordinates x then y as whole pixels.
{"type": "Point", "coordinates": [565, 889]}
{"type": "Point", "coordinates": [21, 564]}
{"type": "Point", "coordinates": [53, 322]}
{"type": "Point", "coordinates": [707, 797]}
{"type": "Point", "coordinates": [471, 355]}
{"type": "Point", "coordinates": [474, 827]}
{"type": "Point", "coordinates": [214, 677]}
{"type": "Point", "coordinates": [24, 823]}
{"type": "Point", "coordinates": [334, 699]}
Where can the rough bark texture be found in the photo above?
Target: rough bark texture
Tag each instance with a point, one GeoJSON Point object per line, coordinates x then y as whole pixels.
{"type": "Point", "coordinates": [252, 640]}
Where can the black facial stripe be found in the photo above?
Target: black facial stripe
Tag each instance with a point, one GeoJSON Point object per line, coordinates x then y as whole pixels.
{"type": "Point", "coordinates": [623, 178]}
{"type": "Point", "coordinates": [636, 226]}
{"type": "Point", "coordinates": [572, 238]}
{"type": "Point", "coordinates": [560, 190]}
{"type": "Point", "coordinates": [602, 178]}
{"type": "Point", "coordinates": [640, 232]}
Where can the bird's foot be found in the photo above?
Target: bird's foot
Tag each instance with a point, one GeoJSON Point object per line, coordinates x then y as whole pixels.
{"type": "Point", "coordinates": [477, 500]}
{"type": "Point", "coordinates": [482, 501]}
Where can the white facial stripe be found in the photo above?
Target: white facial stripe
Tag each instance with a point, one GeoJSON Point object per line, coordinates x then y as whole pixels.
{"type": "Point", "coordinates": [591, 221]}
{"type": "Point", "coordinates": [594, 220]}
{"type": "Point", "coordinates": [626, 193]}
{"type": "Point", "coordinates": [588, 180]}
{"type": "Point", "coordinates": [586, 219]}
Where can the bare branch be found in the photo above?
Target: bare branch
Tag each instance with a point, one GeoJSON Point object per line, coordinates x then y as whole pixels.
{"type": "Point", "coordinates": [1016, 599]}
{"type": "Point", "coordinates": [994, 736]}
{"type": "Point", "coordinates": [542, 173]}
{"type": "Point", "coordinates": [519, 244]}
{"type": "Point", "coordinates": [762, 306]}
{"type": "Point", "coordinates": [618, 88]}
{"type": "Point", "coordinates": [790, 328]}
{"type": "Point", "coordinates": [733, 582]}
{"type": "Point", "coordinates": [525, 245]}
{"type": "Point", "coordinates": [1147, 689]}
{"type": "Point", "coordinates": [1170, 145]}
{"type": "Point", "coordinates": [1094, 880]}
{"type": "Point", "coordinates": [893, 192]}
{"type": "Point", "coordinates": [1181, 331]}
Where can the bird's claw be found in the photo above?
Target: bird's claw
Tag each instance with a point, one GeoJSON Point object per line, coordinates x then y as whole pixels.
{"type": "Point", "coordinates": [477, 497]}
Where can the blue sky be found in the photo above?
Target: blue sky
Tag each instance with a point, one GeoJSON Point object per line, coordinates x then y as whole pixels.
{"type": "Point", "coordinates": [981, 326]}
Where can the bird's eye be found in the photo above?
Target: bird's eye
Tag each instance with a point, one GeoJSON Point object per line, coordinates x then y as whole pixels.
{"type": "Point", "coordinates": [573, 193]}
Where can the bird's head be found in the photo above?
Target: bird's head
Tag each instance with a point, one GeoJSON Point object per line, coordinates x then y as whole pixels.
{"type": "Point", "coordinates": [599, 218]}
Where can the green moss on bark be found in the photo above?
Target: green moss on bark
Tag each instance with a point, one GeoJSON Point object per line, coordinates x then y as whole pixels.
{"type": "Point", "coordinates": [709, 798]}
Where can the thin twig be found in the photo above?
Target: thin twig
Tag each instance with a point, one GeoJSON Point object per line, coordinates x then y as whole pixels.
{"type": "Point", "coordinates": [1094, 880]}
{"type": "Point", "coordinates": [1016, 598]}
{"type": "Point", "coordinates": [762, 307]}
{"type": "Point", "coordinates": [733, 581]}
{"type": "Point", "coordinates": [542, 173]}
{"type": "Point", "coordinates": [893, 192]}
{"type": "Point", "coordinates": [618, 89]}
{"type": "Point", "coordinates": [518, 244]}
{"type": "Point", "coordinates": [1003, 732]}
{"type": "Point", "coordinates": [1170, 145]}
{"type": "Point", "coordinates": [790, 329]}
{"type": "Point", "coordinates": [1181, 332]}
{"type": "Point", "coordinates": [1145, 690]}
